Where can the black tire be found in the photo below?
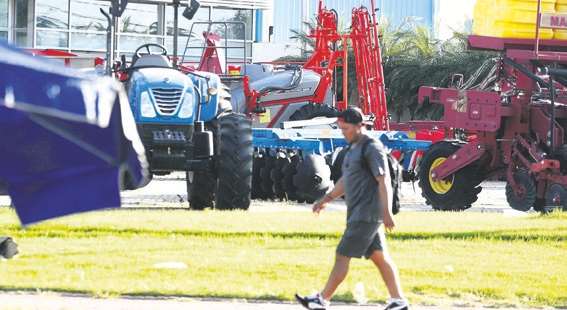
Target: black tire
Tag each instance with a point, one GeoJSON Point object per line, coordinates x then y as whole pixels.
{"type": "Point", "coordinates": [313, 178]}
{"type": "Point", "coordinates": [288, 172]}
{"type": "Point", "coordinates": [201, 191]}
{"type": "Point", "coordinates": [313, 110]}
{"type": "Point", "coordinates": [456, 195]}
{"type": "Point", "coordinates": [555, 199]}
{"type": "Point", "coordinates": [234, 162]}
{"type": "Point", "coordinates": [258, 163]}
{"type": "Point", "coordinates": [336, 167]}
{"type": "Point", "coordinates": [528, 198]}
{"type": "Point", "coordinates": [266, 183]}
{"type": "Point", "coordinates": [276, 176]}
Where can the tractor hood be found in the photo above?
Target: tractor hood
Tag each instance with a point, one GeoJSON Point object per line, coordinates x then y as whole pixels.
{"type": "Point", "coordinates": [163, 96]}
{"type": "Point", "coordinates": [162, 76]}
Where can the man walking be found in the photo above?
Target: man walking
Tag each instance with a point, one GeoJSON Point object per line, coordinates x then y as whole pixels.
{"type": "Point", "coordinates": [365, 183]}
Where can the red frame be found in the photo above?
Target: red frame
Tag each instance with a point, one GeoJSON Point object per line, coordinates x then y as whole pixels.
{"type": "Point", "coordinates": [325, 60]}
{"type": "Point", "coordinates": [507, 135]}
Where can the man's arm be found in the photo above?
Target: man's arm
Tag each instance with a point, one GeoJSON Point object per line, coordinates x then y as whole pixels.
{"type": "Point", "coordinates": [337, 191]}
{"type": "Point", "coordinates": [385, 197]}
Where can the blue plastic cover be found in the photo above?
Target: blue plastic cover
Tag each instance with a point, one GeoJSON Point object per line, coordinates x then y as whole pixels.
{"type": "Point", "coordinates": [68, 141]}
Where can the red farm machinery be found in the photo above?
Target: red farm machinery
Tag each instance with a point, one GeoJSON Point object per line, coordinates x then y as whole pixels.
{"type": "Point", "coordinates": [515, 130]}
{"type": "Point", "coordinates": [310, 90]}
{"type": "Point", "coordinates": [286, 100]}
{"type": "Point", "coordinates": [293, 106]}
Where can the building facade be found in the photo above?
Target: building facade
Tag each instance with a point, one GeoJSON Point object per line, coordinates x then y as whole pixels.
{"type": "Point", "coordinates": [79, 26]}
{"type": "Point", "coordinates": [442, 17]}
{"type": "Point", "coordinates": [394, 11]}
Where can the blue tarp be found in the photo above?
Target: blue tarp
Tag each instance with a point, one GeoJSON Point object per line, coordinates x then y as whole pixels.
{"type": "Point", "coordinates": [68, 141]}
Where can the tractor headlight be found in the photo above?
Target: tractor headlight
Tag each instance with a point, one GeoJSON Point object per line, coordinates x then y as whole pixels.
{"type": "Point", "coordinates": [146, 106]}
{"type": "Point", "coordinates": [187, 106]}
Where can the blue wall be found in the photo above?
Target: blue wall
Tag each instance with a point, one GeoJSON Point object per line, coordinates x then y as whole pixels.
{"type": "Point", "coordinates": [287, 13]}
{"type": "Point", "coordinates": [259, 21]}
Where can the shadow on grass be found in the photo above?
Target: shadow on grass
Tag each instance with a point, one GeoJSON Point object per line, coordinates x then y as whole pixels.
{"type": "Point", "coordinates": [61, 231]}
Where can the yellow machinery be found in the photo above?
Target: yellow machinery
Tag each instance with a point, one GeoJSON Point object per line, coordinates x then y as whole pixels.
{"type": "Point", "coordinates": [561, 8]}
{"type": "Point", "coordinates": [514, 18]}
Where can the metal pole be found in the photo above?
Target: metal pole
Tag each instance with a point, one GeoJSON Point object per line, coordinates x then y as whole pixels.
{"type": "Point", "coordinates": [109, 40]}
{"type": "Point", "coordinates": [552, 121]}
{"type": "Point", "coordinates": [537, 28]}
{"type": "Point", "coordinates": [115, 30]}
{"type": "Point", "coordinates": [378, 63]}
{"type": "Point", "coordinates": [175, 30]}
{"type": "Point", "coordinates": [345, 73]}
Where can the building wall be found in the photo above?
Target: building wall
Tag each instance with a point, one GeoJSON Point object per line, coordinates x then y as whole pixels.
{"type": "Point", "coordinates": [398, 11]}
{"type": "Point", "coordinates": [48, 23]}
{"type": "Point", "coordinates": [289, 14]}
{"type": "Point", "coordinates": [453, 16]}
{"type": "Point", "coordinates": [79, 26]}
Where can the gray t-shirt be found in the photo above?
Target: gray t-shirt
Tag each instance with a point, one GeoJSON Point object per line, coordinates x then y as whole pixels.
{"type": "Point", "coordinates": [361, 188]}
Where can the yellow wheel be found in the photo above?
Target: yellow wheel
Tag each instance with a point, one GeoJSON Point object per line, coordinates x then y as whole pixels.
{"type": "Point", "coordinates": [455, 193]}
{"type": "Point", "coordinates": [440, 187]}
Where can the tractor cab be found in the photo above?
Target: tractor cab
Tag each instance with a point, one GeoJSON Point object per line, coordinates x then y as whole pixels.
{"type": "Point", "coordinates": [150, 55]}
{"type": "Point", "coordinates": [151, 59]}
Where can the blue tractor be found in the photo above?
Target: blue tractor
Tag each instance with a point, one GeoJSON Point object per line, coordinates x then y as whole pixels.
{"type": "Point", "coordinates": [186, 123]}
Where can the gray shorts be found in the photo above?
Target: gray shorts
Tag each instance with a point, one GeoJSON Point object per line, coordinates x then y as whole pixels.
{"type": "Point", "coordinates": [361, 239]}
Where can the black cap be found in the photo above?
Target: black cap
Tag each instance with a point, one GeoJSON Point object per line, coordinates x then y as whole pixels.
{"type": "Point", "coordinates": [352, 115]}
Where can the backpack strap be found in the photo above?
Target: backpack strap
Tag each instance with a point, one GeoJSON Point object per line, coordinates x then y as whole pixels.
{"type": "Point", "coordinates": [363, 161]}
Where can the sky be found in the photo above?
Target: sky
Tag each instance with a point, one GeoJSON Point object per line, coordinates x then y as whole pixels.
{"type": "Point", "coordinates": [456, 15]}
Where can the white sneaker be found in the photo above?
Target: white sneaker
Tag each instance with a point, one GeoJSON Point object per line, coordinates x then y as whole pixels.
{"type": "Point", "coordinates": [313, 302]}
{"type": "Point", "coordinates": [397, 304]}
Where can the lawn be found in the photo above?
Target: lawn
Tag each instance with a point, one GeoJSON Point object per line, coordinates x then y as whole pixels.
{"type": "Point", "coordinates": [461, 258]}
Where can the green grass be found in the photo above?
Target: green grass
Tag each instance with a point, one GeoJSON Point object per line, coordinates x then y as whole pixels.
{"type": "Point", "coordinates": [467, 257]}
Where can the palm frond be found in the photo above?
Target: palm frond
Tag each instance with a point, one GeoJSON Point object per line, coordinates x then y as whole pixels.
{"type": "Point", "coordinates": [412, 57]}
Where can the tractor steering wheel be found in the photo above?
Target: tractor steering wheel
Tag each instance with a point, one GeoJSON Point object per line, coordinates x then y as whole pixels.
{"type": "Point", "coordinates": [147, 47]}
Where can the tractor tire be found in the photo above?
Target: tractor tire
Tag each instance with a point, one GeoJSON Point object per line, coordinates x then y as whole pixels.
{"type": "Point", "coordinates": [307, 112]}
{"type": "Point", "coordinates": [528, 198]}
{"type": "Point", "coordinates": [313, 110]}
{"type": "Point", "coordinates": [200, 191]}
{"type": "Point", "coordinates": [276, 176]}
{"type": "Point", "coordinates": [288, 172]}
{"type": "Point", "coordinates": [313, 178]}
{"type": "Point", "coordinates": [266, 183]}
{"type": "Point", "coordinates": [234, 162]}
{"type": "Point", "coordinates": [456, 194]}
{"type": "Point", "coordinates": [257, 191]}
{"type": "Point", "coordinates": [336, 167]}
{"type": "Point", "coordinates": [555, 199]}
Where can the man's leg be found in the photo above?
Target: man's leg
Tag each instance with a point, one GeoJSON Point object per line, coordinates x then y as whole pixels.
{"type": "Point", "coordinates": [389, 272]}
{"type": "Point", "coordinates": [338, 274]}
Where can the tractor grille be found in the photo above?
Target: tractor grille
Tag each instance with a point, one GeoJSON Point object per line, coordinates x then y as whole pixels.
{"type": "Point", "coordinates": [167, 99]}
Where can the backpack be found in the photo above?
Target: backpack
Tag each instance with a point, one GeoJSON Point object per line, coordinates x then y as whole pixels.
{"type": "Point", "coordinates": [396, 172]}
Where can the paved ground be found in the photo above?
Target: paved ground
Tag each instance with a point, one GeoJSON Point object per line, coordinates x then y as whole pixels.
{"type": "Point", "coordinates": [51, 301]}
{"type": "Point", "coordinates": [170, 192]}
